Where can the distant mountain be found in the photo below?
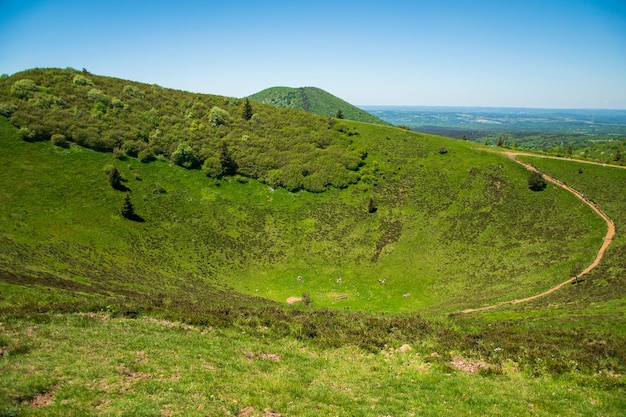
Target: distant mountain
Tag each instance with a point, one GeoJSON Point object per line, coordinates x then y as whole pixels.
{"type": "Point", "coordinates": [314, 100]}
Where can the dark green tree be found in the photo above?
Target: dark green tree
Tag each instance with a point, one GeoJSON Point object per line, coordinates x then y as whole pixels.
{"type": "Point", "coordinates": [618, 156]}
{"type": "Point", "coordinates": [115, 179]}
{"type": "Point", "coordinates": [128, 210]}
{"type": "Point", "coordinates": [229, 167]}
{"type": "Point", "coordinates": [536, 181]}
{"type": "Point", "coordinates": [339, 114]}
{"type": "Point", "coordinates": [247, 111]}
{"type": "Point", "coordinates": [370, 206]}
{"type": "Point", "coordinates": [500, 142]}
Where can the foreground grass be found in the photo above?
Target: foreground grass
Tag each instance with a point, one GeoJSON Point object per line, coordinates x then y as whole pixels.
{"type": "Point", "coordinates": [102, 364]}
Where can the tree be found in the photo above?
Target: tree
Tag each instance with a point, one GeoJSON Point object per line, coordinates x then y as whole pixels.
{"type": "Point", "coordinates": [115, 179]}
{"type": "Point", "coordinates": [339, 114]}
{"type": "Point", "coordinates": [500, 142]}
{"type": "Point", "coordinates": [128, 210]}
{"type": "Point", "coordinates": [618, 156]}
{"type": "Point", "coordinates": [229, 167]}
{"type": "Point", "coordinates": [536, 181]}
{"type": "Point", "coordinates": [247, 111]}
{"type": "Point", "coordinates": [370, 206]}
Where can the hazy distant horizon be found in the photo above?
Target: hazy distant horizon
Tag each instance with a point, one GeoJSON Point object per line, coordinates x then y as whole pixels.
{"type": "Point", "coordinates": [486, 108]}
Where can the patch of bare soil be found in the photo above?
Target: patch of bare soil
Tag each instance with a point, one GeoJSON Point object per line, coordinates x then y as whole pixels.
{"type": "Point", "coordinates": [43, 399]}
{"type": "Point", "coordinates": [293, 300]}
{"type": "Point", "coordinates": [250, 412]}
{"type": "Point", "coordinates": [468, 365]}
{"type": "Point", "coordinates": [263, 356]}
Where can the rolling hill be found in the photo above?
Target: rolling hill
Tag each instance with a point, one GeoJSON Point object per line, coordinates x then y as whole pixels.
{"type": "Point", "coordinates": [314, 100]}
{"type": "Point", "coordinates": [185, 310]}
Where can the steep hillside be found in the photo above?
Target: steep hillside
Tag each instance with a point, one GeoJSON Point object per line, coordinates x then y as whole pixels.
{"type": "Point", "coordinates": [445, 230]}
{"type": "Point", "coordinates": [314, 100]}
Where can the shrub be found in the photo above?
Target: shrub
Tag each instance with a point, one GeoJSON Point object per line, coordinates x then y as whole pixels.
{"type": "Point", "coordinates": [60, 140]}
{"type": "Point", "coordinates": [98, 96]}
{"type": "Point", "coordinates": [184, 156]}
{"type": "Point", "coordinates": [47, 101]}
{"type": "Point", "coordinates": [119, 153]}
{"type": "Point", "coordinates": [7, 109]}
{"type": "Point", "coordinates": [158, 189]}
{"type": "Point", "coordinates": [81, 80]}
{"type": "Point", "coordinates": [212, 167]}
{"type": "Point", "coordinates": [146, 155]}
{"type": "Point", "coordinates": [536, 182]}
{"type": "Point", "coordinates": [24, 88]}
{"type": "Point", "coordinates": [442, 150]}
{"type": "Point", "coordinates": [134, 92]}
{"type": "Point", "coordinates": [133, 147]}
{"type": "Point", "coordinates": [27, 135]}
{"type": "Point", "coordinates": [218, 117]}
{"type": "Point", "coordinates": [117, 103]}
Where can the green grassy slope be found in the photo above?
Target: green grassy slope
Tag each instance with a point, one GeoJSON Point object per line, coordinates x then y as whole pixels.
{"type": "Point", "coordinates": [314, 100]}
{"type": "Point", "coordinates": [451, 230]}
{"type": "Point", "coordinates": [600, 300]}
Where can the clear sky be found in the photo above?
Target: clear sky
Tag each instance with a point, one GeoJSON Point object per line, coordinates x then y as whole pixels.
{"type": "Point", "coordinates": [519, 53]}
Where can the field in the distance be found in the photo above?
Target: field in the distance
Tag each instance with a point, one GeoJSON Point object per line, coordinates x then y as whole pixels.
{"type": "Point", "coordinates": [531, 128]}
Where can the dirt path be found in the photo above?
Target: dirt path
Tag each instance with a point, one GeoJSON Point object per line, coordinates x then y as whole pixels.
{"type": "Point", "coordinates": [605, 244]}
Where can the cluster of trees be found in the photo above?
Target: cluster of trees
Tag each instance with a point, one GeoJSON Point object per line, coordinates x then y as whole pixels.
{"type": "Point", "coordinates": [219, 135]}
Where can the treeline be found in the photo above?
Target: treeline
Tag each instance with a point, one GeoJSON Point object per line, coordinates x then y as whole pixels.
{"type": "Point", "coordinates": [221, 136]}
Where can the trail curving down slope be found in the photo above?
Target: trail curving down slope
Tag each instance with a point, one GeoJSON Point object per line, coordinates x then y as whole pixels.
{"type": "Point", "coordinates": [608, 238]}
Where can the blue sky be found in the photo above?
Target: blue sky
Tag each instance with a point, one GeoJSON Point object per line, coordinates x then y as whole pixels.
{"type": "Point", "coordinates": [530, 53]}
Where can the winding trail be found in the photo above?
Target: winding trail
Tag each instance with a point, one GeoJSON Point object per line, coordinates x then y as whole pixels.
{"type": "Point", "coordinates": [608, 238]}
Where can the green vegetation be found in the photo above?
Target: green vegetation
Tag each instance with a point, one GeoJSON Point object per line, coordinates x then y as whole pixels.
{"type": "Point", "coordinates": [280, 148]}
{"type": "Point", "coordinates": [184, 312]}
{"type": "Point", "coordinates": [536, 182]}
{"type": "Point", "coordinates": [314, 100]}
